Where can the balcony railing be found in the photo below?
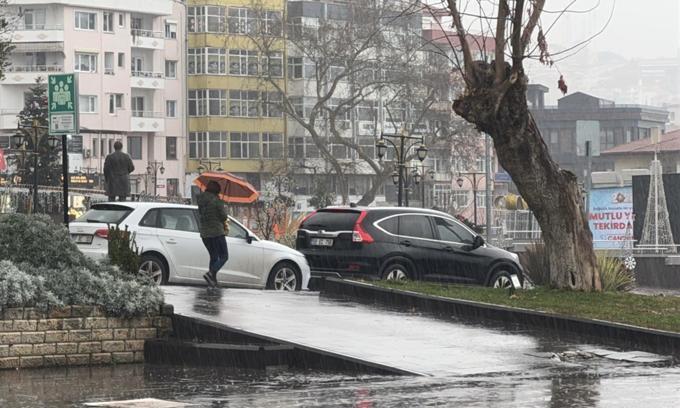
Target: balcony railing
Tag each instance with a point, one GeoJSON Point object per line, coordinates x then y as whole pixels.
{"type": "Point", "coordinates": [137, 32]}
{"type": "Point", "coordinates": [35, 68]}
{"type": "Point", "coordinates": [39, 27]}
{"type": "Point", "coordinates": [146, 74]}
{"type": "Point", "coordinates": [146, 114]}
{"type": "Point", "coordinates": [9, 111]}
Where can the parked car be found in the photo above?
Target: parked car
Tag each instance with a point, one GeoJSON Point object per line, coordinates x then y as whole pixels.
{"type": "Point", "coordinates": [401, 244]}
{"type": "Point", "coordinates": [172, 250]}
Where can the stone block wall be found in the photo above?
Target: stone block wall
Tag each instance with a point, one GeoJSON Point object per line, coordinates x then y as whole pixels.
{"type": "Point", "coordinates": [75, 336]}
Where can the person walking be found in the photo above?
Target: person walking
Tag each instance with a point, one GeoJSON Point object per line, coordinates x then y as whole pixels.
{"type": "Point", "coordinates": [117, 169]}
{"type": "Point", "coordinates": [213, 226]}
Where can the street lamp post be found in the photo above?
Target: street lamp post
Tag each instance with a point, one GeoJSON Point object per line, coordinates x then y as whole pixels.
{"type": "Point", "coordinates": [152, 169]}
{"type": "Point", "coordinates": [420, 179]}
{"type": "Point", "coordinates": [204, 165]}
{"type": "Point", "coordinates": [474, 180]}
{"type": "Point", "coordinates": [402, 150]}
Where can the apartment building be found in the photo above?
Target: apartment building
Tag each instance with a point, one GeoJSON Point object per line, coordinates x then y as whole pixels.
{"type": "Point", "coordinates": [231, 127]}
{"type": "Point", "coordinates": [129, 58]}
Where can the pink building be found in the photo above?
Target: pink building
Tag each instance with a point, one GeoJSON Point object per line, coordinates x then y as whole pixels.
{"type": "Point", "coordinates": [129, 59]}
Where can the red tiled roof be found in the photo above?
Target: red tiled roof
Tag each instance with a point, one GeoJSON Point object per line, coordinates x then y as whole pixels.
{"type": "Point", "coordinates": [670, 142]}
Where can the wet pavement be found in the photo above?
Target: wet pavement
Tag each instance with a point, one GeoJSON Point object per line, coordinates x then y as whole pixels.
{"type": "Point", "coordinates": [464, 364]}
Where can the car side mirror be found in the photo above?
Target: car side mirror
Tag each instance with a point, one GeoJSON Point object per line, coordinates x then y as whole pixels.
{"type": "Point", "coordinates": [477, 242]}
{"type": "Point", "coordinates": [249, 239]}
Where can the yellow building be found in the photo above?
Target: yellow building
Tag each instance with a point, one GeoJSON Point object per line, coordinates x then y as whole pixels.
{"type": "Point", "coordinates": [231, 127]}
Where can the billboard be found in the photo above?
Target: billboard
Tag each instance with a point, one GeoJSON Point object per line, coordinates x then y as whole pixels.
{"type": "Point", "coordinates": [611, 216]}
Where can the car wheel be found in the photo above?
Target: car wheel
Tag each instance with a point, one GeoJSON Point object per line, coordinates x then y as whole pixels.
{"type": "Point", "coordinates": [501, 280]}
{"type": "Point", "coordinates": [154, 267]}
{"type": "Point", "coordinates": [397, 271]}
{"type": "Point", "coordinates": [284, 277]}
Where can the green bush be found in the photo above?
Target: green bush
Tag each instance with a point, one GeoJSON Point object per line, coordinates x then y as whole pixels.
{"type": "Point", "coordinates": [46, 268]}
{"type": "Point", "coordinates": [615, 277]}
{"type": "Point", "coordinates": [536, 263]}
{"type": "Point", "coordinates": [123, 251]}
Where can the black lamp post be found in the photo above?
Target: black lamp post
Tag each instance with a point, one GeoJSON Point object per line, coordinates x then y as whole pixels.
{"type": "Point", "coordinates": [210, 163]}
{"type": "Point", "coordinates": [152, 169]}
{"type": "Point", "coordinates": [460, 181]}
{"type": "Point", "coordinates": [420, 179]}
{"type": "Point", "coordinates": [402, 150]}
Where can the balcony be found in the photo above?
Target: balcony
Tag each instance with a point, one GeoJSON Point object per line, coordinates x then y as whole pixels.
{"type": "Point", "coordinates": [147, 121]}
{"type": "Point", "coordinates": [28, 74]}
{"type": "Point", "coordinates": [8, 118]}
{"type": "Point", "coordinates": [153, 40]}
{"type": "Point", "coordinates": [147, 80]}
{"type": "Point", "coordinates": [38, 33]}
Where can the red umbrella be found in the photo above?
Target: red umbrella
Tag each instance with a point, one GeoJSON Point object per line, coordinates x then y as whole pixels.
{"type": "Point", "coordinates": [234, 189]}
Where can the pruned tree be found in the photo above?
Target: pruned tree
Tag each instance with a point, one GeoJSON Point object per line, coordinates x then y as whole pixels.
{"type": "Point", "coordinates": [494, 100]}
{"type": "Point", "coordinates": [6, 26]}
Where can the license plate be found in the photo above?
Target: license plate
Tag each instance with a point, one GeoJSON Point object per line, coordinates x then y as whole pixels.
{"type": "Point", "coordinates": [324, 242]}
{"type": "Point", "coordinates": [82, 239]}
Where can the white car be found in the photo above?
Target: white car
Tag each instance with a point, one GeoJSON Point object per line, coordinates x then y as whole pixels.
{"type": "Point", "coordinates": [172, 250]}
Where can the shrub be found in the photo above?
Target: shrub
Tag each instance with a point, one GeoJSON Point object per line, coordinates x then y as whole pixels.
{"type": "Point", "coordinates": [614, 275]}
{"type": "Point", "coordinates": [536, 263]}
{"type": "Point", "coordinates": [289, 230]}
{"type": "Point", "coordinates": [123, 251]}
{"type": "Point", "coordinates": [18, 289]}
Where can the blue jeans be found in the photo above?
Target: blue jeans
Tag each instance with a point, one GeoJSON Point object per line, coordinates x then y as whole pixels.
{"type": "Point", "coordinates": [219, 254]}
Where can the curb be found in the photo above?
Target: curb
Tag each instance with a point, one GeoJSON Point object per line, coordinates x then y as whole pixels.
{"type": "Point", "coordinates": [600, 331]}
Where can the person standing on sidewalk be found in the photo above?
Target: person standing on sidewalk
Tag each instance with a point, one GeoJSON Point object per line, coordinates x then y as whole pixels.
{"type": "Point", "coordinates": [213, 226]}
{"type": "Point", "coordinates": [117, 169]}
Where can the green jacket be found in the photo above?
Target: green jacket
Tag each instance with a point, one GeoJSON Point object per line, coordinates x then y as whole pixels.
{"type": "Point", "coordinates": [211, 215]}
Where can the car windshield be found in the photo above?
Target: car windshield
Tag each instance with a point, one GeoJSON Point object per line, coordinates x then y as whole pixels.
{"type": "Point", "coordinates": [106, 214]}
{"type": "Point", "coordinates": [331, 221]}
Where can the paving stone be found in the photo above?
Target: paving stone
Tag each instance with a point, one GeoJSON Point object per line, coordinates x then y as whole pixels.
{"type": "Point", "coordinates": [90, 347]}
{"type": "Point", "coordinates": [54, 361]}
{"type": "Point", "coordinates": [123, 358]}
{"type": "Point", "coordinates": [31, 313]}
{"type": "Point", "coordinates": [9, 362]}
{"type": "Point", "coordinates": [96, 323]}
{"type": "Point", "coordinates": [13, 313]}
{"type": "Point", "coordinates": [44, 349]}
{"type": "Point", "coordinates": [111, 346]}
{"type": "Point", "coordinates": [6, 325]}
{"type": "Point", "coordinates": [20, 350]}
{"type": "Point", "coordinates": [102, 334]}
{"type": "Point", "coordinates": [80, 335]}
{"type": "Point", "coordinates": [134, 345]}
{"type": "Point", "coordinates": [101, 358]}
{"type": "Point", "coordinates": [25, 325]}
{"type": "Point", "coordinates": [72, 324]}
{"type": "Point", "coordinates": [60, 312]}
{"type": "Point", "coordinates": [10, 338]}
{"type": "Point", "coordinates": [77, 359]}
{"type": "Point", "coordinates": [81, 311]}
{"type": "Point", "coordinates": [31, 361]}
{"type": "Point", "coordinates": [58, 336]}
{"type": "Point", "coordinates": [123, 334]}
{"type": "Point", "coordinates": [4, 351]}
{"type": "Point", "coordinates": [67, 348]}
{"type": "Point", "coordinates": [33, 337]}
{"type": "Point", "coordinates": [141, 334]}
{"type": "Point", "coordinates": [50, 324]}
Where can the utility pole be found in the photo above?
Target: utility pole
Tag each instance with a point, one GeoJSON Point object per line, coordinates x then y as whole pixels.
{"type": "Point", "coordinates": [487, 165]}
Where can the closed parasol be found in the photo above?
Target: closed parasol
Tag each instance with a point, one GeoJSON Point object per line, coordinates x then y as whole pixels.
{"type": "Point", "coordinates": [233, 189]}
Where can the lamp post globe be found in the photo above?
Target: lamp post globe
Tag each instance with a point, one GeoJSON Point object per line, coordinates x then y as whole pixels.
{"type": "Point", "coordinates": [431, 173]}
{"type": "Point", "coordinates": [18, 140]}
{"type": "Point", "coordinates": [201, 169]}
{"type": "Point", "coordinates": [149, 170]}
{"type": "Point", "coordinates": [460, 182]}
{"type": "Point", "coordinates": [422, 152]}
{"type": "Point", "coordinates": [395, 177]}
{"type": "Point", "coordinates": [162, 169]}
{"type": "Point", "coordinates": [219, 169]}
{"type": "Point", "coordinates": [417, 178]}
{"type": "Point", "coordinates": [382, 148]}
{"type": "Point", "coordinates": [53, 142]}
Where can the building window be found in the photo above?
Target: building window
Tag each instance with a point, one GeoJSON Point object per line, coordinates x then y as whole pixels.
{"type": "Point", "coordinates": [217, 61]}
{"type": "Point", "coordinates": [171, 109]}
{"type": "Point", "coordinates": [295, 67]}
{"type": "Point", "coordinates": [460, 198]}
{"type": "Point", "coordinates": [296, 147]}
{"type": "Point", "coordinates": [243, 62]}
{"type": "Point", "coordinates": [171, 31]}
{"type": "Point", "coordinates": [197, 102]}
{"type": "Point", "coordinates": [172, 187]}
{"type": "Point", "coordinates": [198, 146]}
{"type": "Point", "coordinates": [243, 104]}
{"type": "Point", "coordinates": [272, 145]}
{"type": "Point", "coordinates": [241, 20]}
{"type": "Point", "coordinates": [88, 103]}
{"type": "Point", "coordinates": [171, 69]}
{"type": "Point", "coordinates": [34, 19]}
{"type": "Point", "coordinates": [108, 63]}
{"type": "Point", "coordinates": [85, 62]}
{"type": "Point", "coordinates": [171, 148]}
{"type": "Point", "coordinates": [271, 23]}
{"type": "Point", "coordinates": [339, 151]}
{"type": "Point", "coordinates": [95, 148]}
{"type": "Point", "coordinates": [217, 102]}
{"type": "Point", "coordinates": [196, 61]}
{"type": "Point", "coordinates": [206, 19]}
{"type": "Point", "coordinates": [218, 145]}
{"type": "Point", "coordinates": [115, 102]}
{"type": "Point", "coordinates": [121, 60]}
{"type": "Point", "coordinates": [108, 22]}
{"type": "Point", "coordinates": [86, 21]}
{"type": "Point", "coordinates": [271, 105]}
{"type": "Point", "coordinates": [272, 64]}
{"type": "Point", "coordinates": [121, 20]}
{"type": "Point", "coordinates": [244, 145]}
{"type": "Point", "coordinates": [135, 147]}
{"type": "Point", "coordinates": [606, 139]}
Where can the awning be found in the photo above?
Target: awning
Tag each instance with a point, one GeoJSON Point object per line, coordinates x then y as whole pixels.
{"type": "Point", "coordinates": [39, 47]}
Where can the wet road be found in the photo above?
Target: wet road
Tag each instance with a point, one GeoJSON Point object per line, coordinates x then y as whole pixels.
{"type": "Point", "coordinates": [466, 365]}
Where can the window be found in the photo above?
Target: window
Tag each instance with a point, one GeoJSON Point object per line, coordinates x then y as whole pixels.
{"type": "Point", "coordinates": [217, 102]}
{"type": "Point", "coordinates": [121, 60]}
{"type": "Point", "coordinates": [206, 19]}
{"type": "Point", "coordinates": [272, 64]}
{"type": "Point", "coordinates": [198, 146]}
{"type": "Point", "coordinates": [171, 109]}
{"type": "Point", "coordinates": [218, 145]}
{"type": "Point", "coordinates": [95, 147]}
{"type": "Point", "coordinates": [34, 19]}
{"type": "Point", "coordinates": [171, 148]}
{"type": "Point", "coordinates": [172, 187]}
{"type": "Point", "coordinates": [107, 22]}
{"type": "Point", "coordinates": [85, 62]}
{"type": "Point", "coordinates": [171, 30]}
{"type": "Point", "coordinates": [178, 219]}
{"type": "Point", "coordinates": [451, 231]}
{"type": "Point", "coordinates": [236, 231]}
{"type": "Point", "coordinates": [416, 226]}
{"type": "Point", "coordinates": [115, 102]}
{"type": "Point", "coordinates": [241, 20]}
{"type": "Point", "coordinates": [271, 23]}
{"type": "Point", "coordinates": [311, 149]}
{"type": "Point", "coordinates": [272, 145]}
{"type": "Point", "coordinates": [243, 62]}
{"type": "Point", "coordinates": [271, 105]}
{"type": "Point", "coordinates": [244, 145]}
{"type": "Point", "coordinates": [217, 61]}
{"type": "Point", "coordinates": [121, 20]}
{"type": "Point", "coordinates": [171, 69]}
{"type": "Point", "coordinates": [150, 219]}
{"type": "Point", "coordinates": [296, 147]}
{"type": "Point", "coordinates": [134, 147]}
{"type": "Point", "coordinates": [243, 103]}
{"type": "Point", "coordinates": [295, 67]}
{"type": "Point", "coordinates": [197, 102]}
{"type": "Point", "coordinates": [86, 21]}
{"type": "Point", "coordinates": [108, 63]}
{"type": "Point", "coordinates": [138, 106]}
{"type": "Point", "coordinates": [88, 103]}
{"type": "Point", "coordinates": [196, 61]}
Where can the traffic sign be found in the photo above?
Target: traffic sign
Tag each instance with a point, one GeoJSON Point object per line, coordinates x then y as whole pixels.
{"type": "Point", "coordinates": [62, 96]}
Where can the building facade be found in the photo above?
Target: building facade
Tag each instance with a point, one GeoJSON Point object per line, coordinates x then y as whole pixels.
{"type": "Point", "coordinates": [129, 58]}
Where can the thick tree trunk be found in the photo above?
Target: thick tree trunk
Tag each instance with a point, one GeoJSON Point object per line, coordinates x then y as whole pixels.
{"type": "Point", "coordinates": [552, 194]}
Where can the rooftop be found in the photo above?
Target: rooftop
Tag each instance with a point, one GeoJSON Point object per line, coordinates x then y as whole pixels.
{"type": "Point", "coordinates": [670, 142]}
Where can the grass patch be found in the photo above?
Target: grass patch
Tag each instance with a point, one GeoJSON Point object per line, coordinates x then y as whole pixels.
{"type": "Point", "coordinates": [654, 312]}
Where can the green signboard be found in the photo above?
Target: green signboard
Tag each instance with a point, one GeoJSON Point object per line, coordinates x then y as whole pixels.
{"type": "Point", "coordinates": [62, 95]}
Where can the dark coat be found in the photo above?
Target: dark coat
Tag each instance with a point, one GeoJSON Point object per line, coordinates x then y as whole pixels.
{"type": "Point", "coordinates": [211, 215]}
{"type": "Point", "coordinates": [117, 169]}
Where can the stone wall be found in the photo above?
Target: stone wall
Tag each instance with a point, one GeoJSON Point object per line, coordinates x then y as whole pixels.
{"type": "Point", "coordinates": [75, 336]}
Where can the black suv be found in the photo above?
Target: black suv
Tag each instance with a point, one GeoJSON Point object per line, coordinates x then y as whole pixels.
{"type": "Point", "coordinates": [402, 243]}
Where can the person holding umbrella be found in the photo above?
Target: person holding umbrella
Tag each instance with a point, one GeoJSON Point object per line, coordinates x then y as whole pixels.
{"type": "Point", "coordinates": [213, 226]}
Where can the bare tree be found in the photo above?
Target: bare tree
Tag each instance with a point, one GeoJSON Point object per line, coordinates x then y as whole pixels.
{"type": "Point", "coordinates": [495, 101]}
{"type": "Point", "coordinates": [6, 24]}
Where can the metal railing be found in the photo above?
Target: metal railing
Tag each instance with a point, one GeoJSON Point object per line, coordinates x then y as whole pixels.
{"type": "Point", "coordinates": [138, 32]}
{"type": "Point", "coordinates": [9, 111]}
{"type": "Point", "coordinates": [147, 74]}
{"type": "Point", "coordinates": [146, 114]}
{"type": "Point", "coordinates": [39, 27]}
{"type": "Point", "coordinates": [35, 68]}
